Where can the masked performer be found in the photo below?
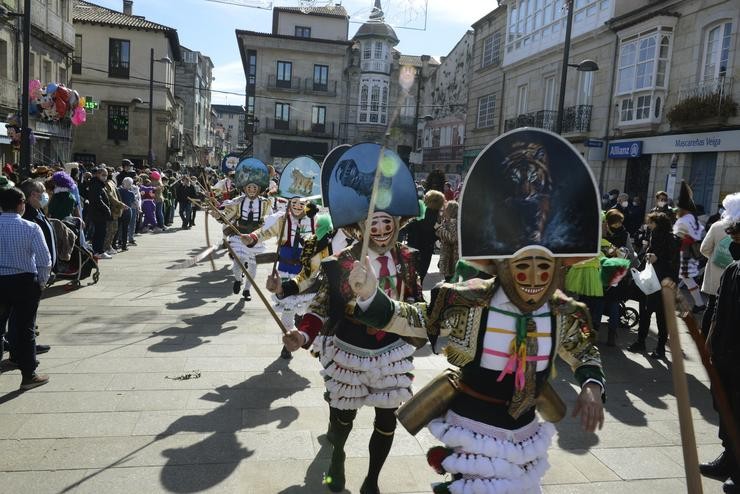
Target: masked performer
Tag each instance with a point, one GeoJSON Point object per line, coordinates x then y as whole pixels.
{"type": "Point", "coordinates": [504, 330]}
{"type": "Point", "coordinates": [247, 212]}
{"type": "Point", "coordinates": [362, 365]}
{"type": "Point", "coordinates": [691, 233]}
{"type": "Point", "coordinates": [326, 242]}
{"type": "Point", "coordinates": [296, 225]}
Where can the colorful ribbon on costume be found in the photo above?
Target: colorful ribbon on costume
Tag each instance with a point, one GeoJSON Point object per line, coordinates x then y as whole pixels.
{"type": "Point", "coordinates": [517, 356]}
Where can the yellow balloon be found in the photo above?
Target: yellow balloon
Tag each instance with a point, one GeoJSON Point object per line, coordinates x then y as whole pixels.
{"type": "Point", "coordinates": [82, 102]}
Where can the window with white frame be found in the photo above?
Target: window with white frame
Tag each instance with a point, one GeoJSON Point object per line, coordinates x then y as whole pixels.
{"type": "Point", "coordinates": [532, 20]}
{"type": "Point", "coordinates": [521, 99]}
{"type": "Point", "coordinates": [585, 88]}
{"type": "Point", "coordinates": [716, 51]}
{"type": "Point", "coordinates": [642, 75]}
{"type": "Point", "coordinates": [491, 50]}
{"type": "Point", "coordinates": [549, 103]}
{"type": "Point", "coordinates": [367, 48]}
{"type": "Point", "coordinates": [373, 101]}
{"type": "Point", "coordinates": [486, 110]}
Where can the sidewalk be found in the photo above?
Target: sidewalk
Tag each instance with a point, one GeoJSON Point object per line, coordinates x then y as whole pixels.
{"type": "Point", "coordinates": [119, 414]}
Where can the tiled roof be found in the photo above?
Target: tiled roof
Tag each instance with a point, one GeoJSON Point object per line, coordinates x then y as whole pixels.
{"type": "Point", "coordinates": [331, 10]}
{"type": "Point", "coordinates": [95, 14]}
{"type": "Point", "coordinates": [414, 60]}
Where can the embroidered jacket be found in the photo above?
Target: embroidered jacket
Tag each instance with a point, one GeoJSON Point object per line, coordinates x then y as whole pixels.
{"type": "Point", "coordinates": [331, 311]}
{"type": "Point", "coordinates": [460, 312]}
{"type": "Point", "coordinates": [232, 210]}
{"type": "Point", "coordinates": [314, 251]}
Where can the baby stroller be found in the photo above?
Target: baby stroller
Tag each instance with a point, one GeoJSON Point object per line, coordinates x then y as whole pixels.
{"type": "Point", "coordinates": [82, 263]}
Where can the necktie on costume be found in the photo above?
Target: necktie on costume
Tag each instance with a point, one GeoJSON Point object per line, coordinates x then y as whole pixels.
{"type": "Point", "coordinates": [297, 235]}
{"type": "Point", "coordinates": [384, 276]}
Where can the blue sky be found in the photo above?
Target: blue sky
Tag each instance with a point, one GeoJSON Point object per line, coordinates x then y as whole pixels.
{"type": "Point", "coordinates": [209, 28]}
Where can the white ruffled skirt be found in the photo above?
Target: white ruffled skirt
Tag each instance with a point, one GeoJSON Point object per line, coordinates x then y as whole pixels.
{"type": "Point", "coordinates": [492, 460]}
{"type": "Point", "coordinates": [357, 376]}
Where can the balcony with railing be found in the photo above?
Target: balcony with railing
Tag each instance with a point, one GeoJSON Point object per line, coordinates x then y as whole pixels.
{"type": "Point", "coordinates": [8, 93]}
{"type": "Point", "coordinates": [576, 119]}
{"type": "Point", "coordinates": [703, 103]}
{"type": "Point", "coordinates": [381, 66]}
{"type": "Point", "coordinates": [311, 86]}
{"type": "Point", "coordinates": [444, 153]}
{"type": "Point", "coordinates": [297, 127]}
{"type": "Point", "coordinates": [51, 23]}
{"type": "Point", "coordinates": [292, 85]}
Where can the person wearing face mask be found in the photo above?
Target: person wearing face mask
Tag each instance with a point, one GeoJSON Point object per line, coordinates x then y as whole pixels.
{"type": "Point", "coordinates": [36, 200]}
{"type": "Point", "coordinates": [623, 202]}
{"type": "Point", "coordinates": [620, 245]}
{"type": "Point", "coordinates": [723, 344]}
{"type": "Point", "coordinates": [99, 211]}
{"type": "Point", "coordinates": [662, 205]}
{"type": "Point", "coordinates": [612, 202]}
{"type": "Point", "coordinates": [634, 216]}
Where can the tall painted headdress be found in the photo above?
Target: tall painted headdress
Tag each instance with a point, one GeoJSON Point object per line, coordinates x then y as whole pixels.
{"type": "Point", "coordinates": [327, 167]}
{"type": "Point", "coordinates": [251, 171]}
{"type": "Point", "coordinates": [230, 162]}
{"type": "Point", "coordinates": [350, 185]}
{"type": "Point", "coordinates": [529, 188]}
{"type": "Point", "coordinates": [301, 177]}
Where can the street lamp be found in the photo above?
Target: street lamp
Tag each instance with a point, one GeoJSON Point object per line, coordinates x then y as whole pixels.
{"type": "Point", "coordinates": [150, 155]}
{"type": "Point", "coordinates": [584, 66]}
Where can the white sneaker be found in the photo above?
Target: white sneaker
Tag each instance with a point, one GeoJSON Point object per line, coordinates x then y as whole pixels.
{"type": "Point", "coordinates": [111, 251]}
{"type": "Point", "coordinates": [104, 255]}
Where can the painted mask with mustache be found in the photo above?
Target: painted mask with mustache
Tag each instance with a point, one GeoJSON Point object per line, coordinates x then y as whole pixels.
{"type": "Point", "coordinates": [529, 278]}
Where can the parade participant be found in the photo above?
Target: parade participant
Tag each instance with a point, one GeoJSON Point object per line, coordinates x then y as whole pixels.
{"type": "Point", "coordinates": [292, 228]}
{"type": "Point", "coordinates": [505, 327]}
{"type": "Point", "coordinates": [326, 242]}
{"type": "Point", "coordinates": [225, 188]}
{"type": "Point", "coordinates": [248, 213]}
{"type": "Point", "coordinates": [691, 233]}
{"type": "Point", "coordinates": [363, 366]}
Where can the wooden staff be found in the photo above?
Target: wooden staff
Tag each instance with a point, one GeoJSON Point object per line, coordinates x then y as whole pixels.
{"type": "Point", "coordinates": [681, 389]}
{"type": "Point", "coordinates": [371, 207]}
{"type": "Point", "coordinates": [280, 237]}
{"type": "Point", "coordinates": [249, 276]}
{"type": "Point", "coordinates": [717, 388]}
{"type": "Point", "coordinates": [208, 235]}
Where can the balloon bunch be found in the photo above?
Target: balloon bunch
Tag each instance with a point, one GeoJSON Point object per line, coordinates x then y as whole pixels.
{"type": "Point", "coordinates": [13, 127]}
{"type": "Point", "coordinates": [55, 102]}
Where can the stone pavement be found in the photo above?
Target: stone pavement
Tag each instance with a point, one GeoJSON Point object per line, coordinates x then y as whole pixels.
{"type": "Point", "coordinates": [119, 415]}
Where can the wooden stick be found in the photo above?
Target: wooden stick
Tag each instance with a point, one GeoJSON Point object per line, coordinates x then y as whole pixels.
{"type": "Point", "coordinates": [371, 207]}
{"type": "Point", "coordinates": [249, 276]}
{"type": "Point", "coordinates": [717, 388]}
{"type": "Point", "coordinates": [280, 237]}
{"type": "Point", "coordinates": [207, 188]}
{"type": "Point", "coordinates": [681, 389]}
{"type": "Point", "coordinates": [257, 289]}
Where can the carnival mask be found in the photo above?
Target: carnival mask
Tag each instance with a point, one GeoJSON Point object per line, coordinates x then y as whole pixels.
{"type": "Point", "coordinates": [383, 232]}
{"type": "Point", "coordinates": [297, 207]}
{"type": "Point", "coordinates": [529, 279]}
{"type": "Point", "coordinates": [252, 190]}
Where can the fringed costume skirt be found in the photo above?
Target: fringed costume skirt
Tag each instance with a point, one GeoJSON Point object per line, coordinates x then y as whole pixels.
{"type": "Point", "coordinates": [484, 459]}
{"type": "Point", "coordinates": [357, 376]}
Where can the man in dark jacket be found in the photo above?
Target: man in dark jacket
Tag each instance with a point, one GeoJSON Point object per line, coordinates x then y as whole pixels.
{"type": "Point", "coordinates": [99, 211]}
{"type": "Point", "coordinates": [723, 344]}
{"type": "Point", "coordinates": [184, 192]}
{"type": "Point", "coordinates": [128, 171]}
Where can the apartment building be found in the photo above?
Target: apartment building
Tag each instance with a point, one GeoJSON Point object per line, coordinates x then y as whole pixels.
{"type": "Point", "coordinates": [675, 100]}
{"type": "Point", "coordinates": [112, 58]}
{"type": "Point", "coordinates": [232, 120]}
{"type": "Point", "coordinates": [295, 91]}
{"type": "Point", "coordinates": [52, 43]}
{"type": "Point", "coordinates": [193, 78]}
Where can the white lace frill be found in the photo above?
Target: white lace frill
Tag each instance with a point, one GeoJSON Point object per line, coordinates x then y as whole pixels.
{"type": "Point", "coordinates": [356, 377]}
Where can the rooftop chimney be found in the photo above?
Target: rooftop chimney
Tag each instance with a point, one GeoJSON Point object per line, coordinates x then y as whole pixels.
{"type": "Point", "coordinates": [128, 7]}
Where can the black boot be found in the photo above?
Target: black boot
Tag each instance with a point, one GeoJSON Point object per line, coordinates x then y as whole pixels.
{"type": "Point", "coordinates": [237, 286]}
{"type": "Point", "coordinates": [247, 296]}
{"type": "Point", "coordinates": [380, 446]}
{"type": "Point", "coordinates": [730, 487]}
{"type": "Point", "coordinates": [717, 469]}
{"type": "Point", "coordinates": [337, 436]}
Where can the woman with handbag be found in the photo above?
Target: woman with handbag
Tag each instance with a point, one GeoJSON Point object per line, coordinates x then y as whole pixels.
{"type": "Point", "coordinates": [662, 253]}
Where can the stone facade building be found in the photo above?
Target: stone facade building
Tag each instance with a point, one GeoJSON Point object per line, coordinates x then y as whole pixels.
{"type": "Point", "coordinates": [444, 106]}
{"type": "Point", "coordinates": [193, 79]}
{"type": "Point", "coordinates": [52, 43]}
{"type": "Point", "coordinates": [112, 50]}
{"type": "Point", "coordinates": [310, 87]}
{"type": "Point", "coordinates": [231, 120]}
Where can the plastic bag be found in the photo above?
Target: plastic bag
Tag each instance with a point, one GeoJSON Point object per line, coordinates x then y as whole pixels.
{"type": "Point", "coordinates": [721, 256]}
{"type": "Point", "coordinates": [646, 280]}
